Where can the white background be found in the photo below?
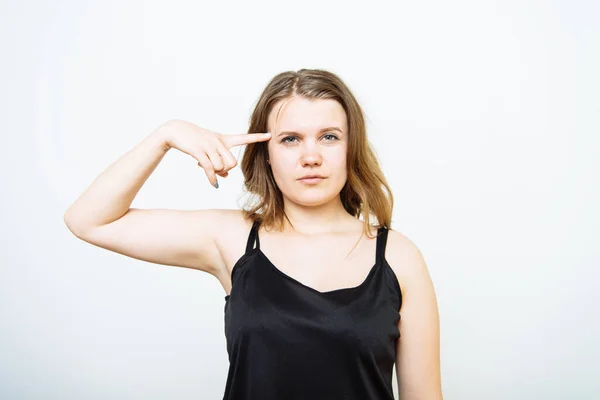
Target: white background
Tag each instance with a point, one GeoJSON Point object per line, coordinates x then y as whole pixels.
{"type": "Point", "coordinates": [485, 116]}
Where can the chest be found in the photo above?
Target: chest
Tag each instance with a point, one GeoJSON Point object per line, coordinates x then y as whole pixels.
{"type": "Point", "coordinates": [325, 266]}
{"type": "Point", "coordinates": [268, 307]}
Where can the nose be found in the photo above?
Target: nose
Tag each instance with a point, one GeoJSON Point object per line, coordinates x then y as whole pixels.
{"type": "Point", "coordinates": [310, 156]}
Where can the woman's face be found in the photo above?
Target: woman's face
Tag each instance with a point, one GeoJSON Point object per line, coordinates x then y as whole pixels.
{"type": "Point", "coordinates": [308, 137]}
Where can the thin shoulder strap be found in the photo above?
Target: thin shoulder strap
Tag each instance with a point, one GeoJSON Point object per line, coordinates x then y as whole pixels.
{"type": "Point", "coordinates": [382, 234]}
{"type": "Point", "coordinates": [253, 236]}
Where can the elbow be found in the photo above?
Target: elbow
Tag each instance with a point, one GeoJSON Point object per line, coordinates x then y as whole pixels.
{"type": "Point", "coordinates": [72, 225]}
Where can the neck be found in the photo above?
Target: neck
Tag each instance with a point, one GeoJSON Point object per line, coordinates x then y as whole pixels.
{"type": "Point", "coordinates": [313, 220]}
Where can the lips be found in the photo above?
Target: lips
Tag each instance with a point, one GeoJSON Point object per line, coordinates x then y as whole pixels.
{"type": "Point", "coordinates": [311, 181]}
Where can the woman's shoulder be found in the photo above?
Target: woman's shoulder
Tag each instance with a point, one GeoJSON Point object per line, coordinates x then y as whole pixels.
{"type": "Point", "coordinates": [232, 233]}
{"type": "Point", "coordinates": [400, 247]}
{"type": "Point", "coordinates": [405, 258]}
{"type": "Point", "coordinates": [231, 223]}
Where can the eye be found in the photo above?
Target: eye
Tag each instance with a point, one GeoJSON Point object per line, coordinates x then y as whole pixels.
{"type": "Point", "coordinates": [331, 135]}
{"type": "Point", "coordinates": [285, 139]}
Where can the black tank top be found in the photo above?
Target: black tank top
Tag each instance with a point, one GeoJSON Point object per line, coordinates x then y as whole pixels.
{"type": "Point", "coordinates": [288, 341]}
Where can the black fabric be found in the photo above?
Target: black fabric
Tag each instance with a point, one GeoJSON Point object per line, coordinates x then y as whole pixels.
{"type": "Point", "coordinates": [288, 341]}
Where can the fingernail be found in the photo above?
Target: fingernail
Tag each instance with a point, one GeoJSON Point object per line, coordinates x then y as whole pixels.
{"type": "Point", "coordinates": [216, 185]}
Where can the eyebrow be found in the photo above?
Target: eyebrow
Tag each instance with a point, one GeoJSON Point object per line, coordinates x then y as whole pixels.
{"type": "Point", "coordinates": [331, 128]}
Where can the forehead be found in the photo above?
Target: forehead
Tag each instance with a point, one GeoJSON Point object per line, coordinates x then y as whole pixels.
{"type": "Point", "coordinates": [300, 114]}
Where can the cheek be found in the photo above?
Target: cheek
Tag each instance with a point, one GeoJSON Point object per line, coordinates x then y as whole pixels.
{"type": "Point", "coordinates": [283, 165]}
{"type": "Point", "coordinates": [278, 154]}
{"type": "Point", "coordinates": [282, 169]}
{"type": "Point", "coordinates": [339, 159]}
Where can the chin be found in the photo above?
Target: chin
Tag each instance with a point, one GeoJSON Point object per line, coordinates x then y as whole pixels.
{"type": "Point", "coordinates": [312, 196]}
{"type": "Point", "coordinates": [316, 198]}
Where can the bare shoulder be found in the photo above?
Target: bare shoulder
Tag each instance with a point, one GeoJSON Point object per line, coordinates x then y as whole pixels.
{"type": "Point", "coordinates": [232, 227]}
{"type": "Point", "coordinates": [402, 251]}
{"type": "Point", "coordinates": [231, 238]}
{"type": "Point", "coordinates": [406, 259]}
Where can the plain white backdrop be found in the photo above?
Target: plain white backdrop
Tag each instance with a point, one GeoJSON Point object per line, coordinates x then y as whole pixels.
{"type": "Point", "coordinates": [485, 116]}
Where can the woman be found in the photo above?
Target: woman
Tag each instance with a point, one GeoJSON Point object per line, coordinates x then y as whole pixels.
{"type": "Point", "coordinates": [319, 304]}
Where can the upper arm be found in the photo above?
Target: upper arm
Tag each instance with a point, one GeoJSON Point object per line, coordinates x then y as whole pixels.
{"type": "Point", "coordinates": [418, 348]}
{"type": "Point", "coordinates": [184, 238]}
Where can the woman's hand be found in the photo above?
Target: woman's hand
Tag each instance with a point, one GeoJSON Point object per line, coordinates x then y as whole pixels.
{"type": "Point", "coordinates": [211, 149]}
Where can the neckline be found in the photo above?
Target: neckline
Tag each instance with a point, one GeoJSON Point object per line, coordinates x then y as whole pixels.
{"type": "Point", "coordinates": [364, 283]}
{"type": "Point", "coordinates": [254, 239]}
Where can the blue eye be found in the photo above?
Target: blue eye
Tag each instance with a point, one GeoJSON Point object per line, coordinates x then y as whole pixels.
{"type": "Point", "coordinates": [285, 139]}
{"type": "Point", "coordinates": [333, 137]}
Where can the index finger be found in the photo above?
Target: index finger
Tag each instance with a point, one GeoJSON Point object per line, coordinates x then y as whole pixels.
{"type": "Point", "coordinates": [244, 138]}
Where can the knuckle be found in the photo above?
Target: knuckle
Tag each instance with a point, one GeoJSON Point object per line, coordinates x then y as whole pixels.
{"type": "Point", "coordinates": [218, 165]}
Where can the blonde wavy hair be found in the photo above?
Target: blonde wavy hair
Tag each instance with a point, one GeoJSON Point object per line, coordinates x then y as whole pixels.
{"type": "Point", "coordinates": [366, 192]}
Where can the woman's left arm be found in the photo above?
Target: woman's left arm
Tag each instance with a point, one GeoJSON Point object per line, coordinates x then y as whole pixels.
{"type": "Point", "coordinates": [418, 349]}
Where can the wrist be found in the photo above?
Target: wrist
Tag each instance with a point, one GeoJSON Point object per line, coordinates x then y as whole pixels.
{"type": "Point", "coordinates": [161, 136]}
